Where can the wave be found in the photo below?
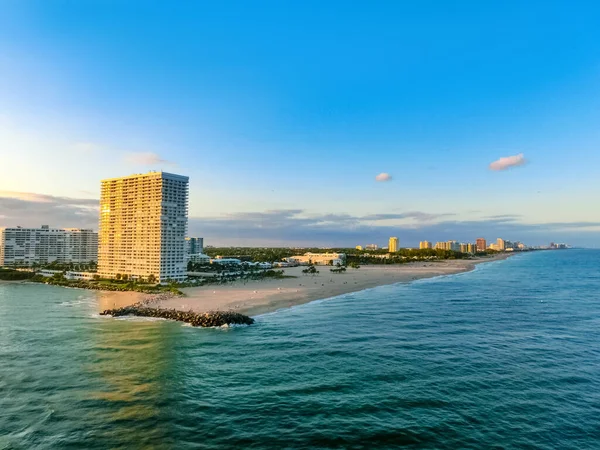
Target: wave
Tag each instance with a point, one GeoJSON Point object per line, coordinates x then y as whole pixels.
{"type": "Point", "coordinates": [433, 279]}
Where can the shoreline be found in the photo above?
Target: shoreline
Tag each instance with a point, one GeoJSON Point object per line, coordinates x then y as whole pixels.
{"type": "Point", "coordinates": [255, 298]}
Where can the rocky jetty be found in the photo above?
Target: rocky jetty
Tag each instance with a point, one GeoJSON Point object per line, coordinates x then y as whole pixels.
{"type": "Point", "coordinates": [208, 319]}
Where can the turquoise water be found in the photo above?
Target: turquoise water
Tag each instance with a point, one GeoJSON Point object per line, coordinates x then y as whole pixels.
{"type": "Point", "coordinates": [507, 356]}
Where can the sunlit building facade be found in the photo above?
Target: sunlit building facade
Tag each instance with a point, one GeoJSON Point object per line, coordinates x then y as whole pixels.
{"type": "Point", "coordinates": [481, 244]}
{"type": "Point", "coordinates": [143, 224]}
{"type": "Point", "coordinates": [393, 245]}
{"type": "Point", "coordinates": [501, 244]}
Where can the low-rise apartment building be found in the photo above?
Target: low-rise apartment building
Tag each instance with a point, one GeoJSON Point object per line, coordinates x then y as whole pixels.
{"type": "Point", "coordinates": [319, 259]}
{"type": "Point", "coordinates": [21, 246]}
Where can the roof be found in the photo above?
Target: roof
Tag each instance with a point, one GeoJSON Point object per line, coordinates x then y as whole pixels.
{"type": "Point", "coordinates": [148, 174]}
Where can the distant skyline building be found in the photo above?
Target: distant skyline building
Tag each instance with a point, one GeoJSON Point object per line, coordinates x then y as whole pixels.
{"type": "Point", "coordinates": [424, 245]}
{"type": "Point", "coordinates": [441, 246]}
{"type": "Point", "coordinates": [372, 247]}
{"type": "Point", "coordinates": [194, 245]}
{"type": "Point", "coordinates": [453, 245]}
{"type": "Point", "coordinates": [143, 224]}
{"type": "Point", "coordinates": [359, 247]}
{"type": "Point", "coordinates": [393, 245]}
{"type": "Point", "coordinates": [501, 244]}
{"type": "Point", "coordinates": [27, 246]}
{"type": "Point", "coordinates": [471, 248]}
{"type": "Point", "coordinates": [481, 244]}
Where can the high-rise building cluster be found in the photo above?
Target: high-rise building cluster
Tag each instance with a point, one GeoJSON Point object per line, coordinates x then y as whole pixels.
{"type": "Point", "coordinates": [502, 245]}
{"type": "Point", "coordinates": [456, 246]}
{"type": "Point", "coordinates": [142, 235]}
{"type": "Point", "coordinates": [35, 246]}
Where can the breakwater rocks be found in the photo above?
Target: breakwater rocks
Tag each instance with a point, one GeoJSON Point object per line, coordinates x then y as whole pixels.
{"type": "Point", "coordinates": [208, 319]}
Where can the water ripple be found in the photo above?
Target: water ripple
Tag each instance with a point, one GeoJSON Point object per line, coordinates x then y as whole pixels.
{"type": "Point", "coordinates": [503, 357]}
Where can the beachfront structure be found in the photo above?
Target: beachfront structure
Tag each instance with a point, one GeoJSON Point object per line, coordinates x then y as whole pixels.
{"type": "Point", "coordinates": [471, 248]}
{"type": "Point", "coordinates": [464, 248]}
{"type": "Point", "coordinates": [199, 258]}
{"type": "Point", "coordinates": [424, 245]}
{"type": "Point", "coordinates": [194, 245]}
{"type": "Point", "coordinates": [319, 259]}
{"type": "Point", "coordinates": [440, 246]}
{"type": "Point", "coordinates": [28, 246]}
{"type": "Point", "coordinates": [143, 223]}
{"type": "Point", "coordinates": [393, 245]}
{"type": "Point", "coordinates": [481, 244]}
{"type": "Point", "coordinates": [226, 261]}
{"type": "Point", "coordinates": [69, 275]}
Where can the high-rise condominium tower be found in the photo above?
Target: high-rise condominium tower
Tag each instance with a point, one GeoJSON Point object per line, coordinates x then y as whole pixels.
{"type": "Point", "coordinates": [501, 244]}
{"type": "Point", "coordinates": [481, 244]}
{"type": "Point", "coordinates": [393, 245]}
{"type": "Point", "coordinates": [143, 223]}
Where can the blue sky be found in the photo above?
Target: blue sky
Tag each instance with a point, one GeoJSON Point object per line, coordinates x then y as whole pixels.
{"type": "Point", "coordinates": [283, 113]}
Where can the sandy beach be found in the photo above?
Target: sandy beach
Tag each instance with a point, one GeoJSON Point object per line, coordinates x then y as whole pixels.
{"type": "Point", "coordinates": [258, 297]}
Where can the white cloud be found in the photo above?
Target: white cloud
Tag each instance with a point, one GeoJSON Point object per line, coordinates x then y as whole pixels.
{"type": "Point", "coordinates": [506, 162]}
{"type": "Point", "coordinates": [146, 159]}
{"type": "Point", "coordinates": [383, 177]}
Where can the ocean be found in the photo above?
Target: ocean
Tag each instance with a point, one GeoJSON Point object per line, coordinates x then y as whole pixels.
{"type": "Point", "coordinates": [506, 356]}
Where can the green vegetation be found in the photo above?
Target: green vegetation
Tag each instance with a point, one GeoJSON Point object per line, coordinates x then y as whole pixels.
{"type": "Point", "coordinates": [310, 270]}
{"type": "Point", "coordinates": [90, 266]}
{"type": "Point", "coordinates": [404, 255]}
{"type": "Point", "coordinates": [108, 285]}
{"type": "Point", "coordinates": [15, 275]}
{"type": "Point", "coordinates": [353, 256]}
{"type": "Point", "coordinates": [260, 254]}
{"type": "Point", "coordinates": [226, 277]}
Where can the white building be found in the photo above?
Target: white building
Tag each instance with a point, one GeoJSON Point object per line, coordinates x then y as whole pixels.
{"type": "Point", "coordinates": [319, 259]}
{"type": "Point", "coordinates": [87, 276]}
{"type": "Point", "coordinates": [226, 261]}
{"type": "Point", "coordinates": [284, 264]}
{"type": "Point", "coordinates": [143, 223]}
{"type": "Point", "coordinates": [47, 273]}
{"type": "Point", "coordinates": [199, 258]}
{"type": "Point", "coordinates": [27, 246]}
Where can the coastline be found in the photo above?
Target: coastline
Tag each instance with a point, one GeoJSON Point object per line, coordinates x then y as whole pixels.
{"type": "Point", "coordinates": [254, 298]}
